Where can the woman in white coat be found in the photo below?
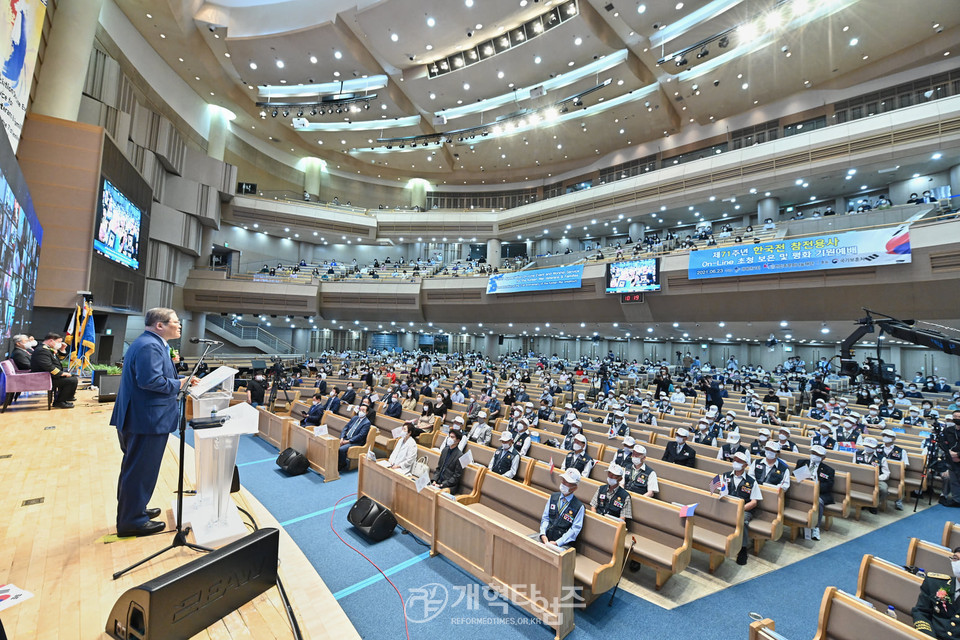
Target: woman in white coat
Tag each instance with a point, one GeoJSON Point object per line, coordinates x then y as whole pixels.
{"type": "Point", "coordinates": [405, 453]}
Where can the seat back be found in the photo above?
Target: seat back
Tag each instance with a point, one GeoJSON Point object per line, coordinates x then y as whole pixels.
{"type": "Point", "coordinates": [8, 368]}
{"type": "Point", "coordinates": [884, 584]}
{"type": "Point", "coordinates": [542, 479]}
{"type": "Point", "coordinates": [931, 557]}
{"type": "Point", "coordinates": [846, 617]}
{"type": "Point", "coordinates": [601, 538]}
{"type": "Point", "coordinates": [951, 535]}
{"type": "Point", "coordinates": [514, 500]}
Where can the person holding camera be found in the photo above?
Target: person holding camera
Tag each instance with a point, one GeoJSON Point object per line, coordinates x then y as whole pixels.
{"type": "Point", "coordinates": [949, 443]}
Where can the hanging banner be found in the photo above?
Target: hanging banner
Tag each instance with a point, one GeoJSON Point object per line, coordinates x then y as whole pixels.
{"type": "Point", "coordinates": [569, 277]}
{"type": "Point", "coordinates": [833, 251]}
{"type": "Point", "coordinates": [20, 29]}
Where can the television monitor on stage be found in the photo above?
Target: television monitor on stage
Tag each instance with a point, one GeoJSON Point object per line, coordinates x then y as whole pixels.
{"type": "Point", "coordinates": [20, 238]}
{"type": "Point", "coordinates": [630, 276]}
{"type": "Point", "coordinates": [118, 227]}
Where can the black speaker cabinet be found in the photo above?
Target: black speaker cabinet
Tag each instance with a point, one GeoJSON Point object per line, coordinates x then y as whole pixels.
{"type": "Point", "coordinates": [374, 521]}
{"type": "Point", "coordinates": [187, 600]}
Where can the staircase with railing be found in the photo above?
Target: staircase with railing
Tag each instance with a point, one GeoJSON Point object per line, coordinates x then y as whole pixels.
{"type": "Point", "coordinates": [269, 343]}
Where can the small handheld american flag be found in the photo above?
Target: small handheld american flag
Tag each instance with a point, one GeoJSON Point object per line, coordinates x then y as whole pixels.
{"type": "Point", "coordinates": [718, 485]}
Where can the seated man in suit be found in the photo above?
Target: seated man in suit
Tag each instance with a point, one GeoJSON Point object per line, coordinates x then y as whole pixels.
{"type": "Point", "coordinates": [562, 517]}
{"type": "Point", "coordinates": [354, 434]}
{"type": "Point", "coordinates": [333, 402]}
{"type": "Point", "coordinates": [679, 452]}
{"type": "Point", "coordinates": [46, 358]}
{"type": "Point", "coordinates": [505, 460]}
{"type": "Point", "coordinates": [315, 413]}
{"type": "Point", "coordinates": [449, 472]}
{"type": "Point", "coordinates": [22, 351]}
{"type": "Point", "coordinates": [823, 474]}
{"type": "Point", "coordinates": [349, 395]}
{"type": "Point", "coordinates": [481, 432]}
{"type": "Point", "coordinates": [392, 406]}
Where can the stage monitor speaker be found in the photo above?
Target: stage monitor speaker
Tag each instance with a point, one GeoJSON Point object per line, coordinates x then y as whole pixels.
{"type": "Point", "coordinates": [292, 462]}
{"type": "Point", "coordinates": [187, 600]}
{"type": "Point", "coordinates": [373, 520]}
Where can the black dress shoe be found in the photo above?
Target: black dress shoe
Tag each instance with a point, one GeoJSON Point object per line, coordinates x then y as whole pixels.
{"type": "Point", "coordinates": [148, 529]}
{"type": "Point", "coordinates": [634, 565]}
{"type": "Point", "coordinates": [742, 556]}
{"type": "Point", "coordinates": [152, 513]}
{"type": "Point", "coordinates": [63, 405]}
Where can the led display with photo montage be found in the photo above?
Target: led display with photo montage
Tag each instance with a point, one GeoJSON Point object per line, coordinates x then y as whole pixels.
{"type": "Point", "coordinates": [629, 276]}
{"type": "Point", "coordinates": [20, 237]}
{"type": "Point", "coordinates": [118, 227]}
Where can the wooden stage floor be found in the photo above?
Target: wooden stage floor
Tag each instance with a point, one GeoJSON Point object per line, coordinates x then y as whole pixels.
{"type": "Point", "coordinates": [59, 548]}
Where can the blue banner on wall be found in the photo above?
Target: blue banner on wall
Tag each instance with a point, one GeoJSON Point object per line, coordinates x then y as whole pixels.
{"type": "Point", "coordinates": [831, 251]}
{"type": "Point", "coordinates": [569, 277]}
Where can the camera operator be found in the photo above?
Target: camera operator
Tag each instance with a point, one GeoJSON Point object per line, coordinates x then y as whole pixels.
{"type": "Point", "coordinates": [818, 390]}
{"type": "Point", "coordinates": [949, 443]}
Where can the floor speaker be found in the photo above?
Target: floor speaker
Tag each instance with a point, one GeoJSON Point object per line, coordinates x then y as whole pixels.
{"type": "Point", "coordinates": [374, 521]}
{"type": "Point", "coordinates": [187, 600]}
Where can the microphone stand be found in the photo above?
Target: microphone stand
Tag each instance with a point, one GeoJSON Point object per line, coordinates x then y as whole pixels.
{"type": "Point", "coordinates": [180, 536]}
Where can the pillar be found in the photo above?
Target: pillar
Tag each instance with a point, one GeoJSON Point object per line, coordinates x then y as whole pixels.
{"type": "Point", "coordinates": [636, 231]}
{"type": "Point", "coordinates": [840, 206]}
{"type": "Point", "coordinates": [312, 172]}
{"type": "Point", "coordinates": [301, 340]}
{"type": "Point", "coordinates": [418, 193]}
{"type": "Point", "coordinates": [493, 252]}
{"type": "Point", "coordinates": [195, 327]}
{"type": "Point", "coordinates": [206, 247]}
{"type": "Point", "coordinates": [531, 250]}
{"type": "Point", "coordinates": [955, 179]}
{"type": "Point", "coordinates": [217, 135]}
{"type": "Point", "coordinates": [64, 70]}
{"type": "Point", "coordinates": [768, 208]}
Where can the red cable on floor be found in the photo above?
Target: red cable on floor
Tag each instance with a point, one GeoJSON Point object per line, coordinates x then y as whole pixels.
{"type": "Point", "coordinates": [406, 626]}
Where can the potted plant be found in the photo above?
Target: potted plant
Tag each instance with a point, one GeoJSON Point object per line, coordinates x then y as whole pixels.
{"type": "Point", "coordinates": [107, 379]}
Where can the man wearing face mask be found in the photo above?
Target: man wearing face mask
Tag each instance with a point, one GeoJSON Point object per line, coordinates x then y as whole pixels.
{"type": "Point", "coordinates": [890, 411]}
{"type": "Point", "coordinates": [732, 446]}
{"type": "Point", "coordinates": [481, 432]}
{"type": "Point", "coordinates": [448, 473]}
{"type": "Point", "coordinates": [579, 458]}
{"type": "Point", "coordinates": [824, 437]}
{"type": "Point", "coordinates": [849, 434]}
{"type": "Point", "coordinates": [575, 428]}
{"type": "Point", "coordinates": [874, 419]}
{"type": "Point", "coordinates": [678, 451]}
{"type": "Point", "coordinates": [646, 416]}
{"type": "Point", "coordinates": [783, 439]}
{"type": "Point", "coordinates": [522, 437]}
{"type": "Point", "coordinates": [824, 475]}
{"type": "Point", "coordinates": [611, 499]}
{"type": "Point", "coordinates": [505, 460]}
{"type": "Point", "coordinates": [618, 425]}
{"type": "Point", "coordinates": [567, 419]}
{"type": "Point", "coordinates": [891, 451]}
{"type": "Point", "coordinates": [257, 389]}
{"type": "Point", "coordinates": [623, 455]}
{"type": "Point", "coordinates": [937, 609]}
{"type": "Point", "coordinates": [638, 477]}
{"type": "Point", "coordinates": [763, 437]}
{"type": "Point", "coordinates": [771, 470]}
{"type": "Point", "coordinates": [950, 445]}
{"type": "Point", "coordinates": [354, 434]}
{"type": "Point", "coordinates": [770, 416]}
{"type": "Point", "coordinates": [742, 485]}
{"type": "Point", "coordinates": [913, 392]}
{"type": "Point", "coordinates": [704, 435]}
{"type": "Point", "coordinates": [315, 414]}
{"type": "Point", "coordinates": [913, 418]}
{"type": "Point", "coordinates": [868, 455]}
{"type": "Point", "coordinates": [562, 517]}
{"type": "Point", "coordinates": [23, 346]}
{"type": "Point", "coordinates": [46, 358]}
{"type": "Point", "coordinates": [581, 402]}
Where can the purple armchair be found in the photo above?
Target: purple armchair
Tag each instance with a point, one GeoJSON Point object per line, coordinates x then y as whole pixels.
{"type": "Point", "coordinates": [15, 382]}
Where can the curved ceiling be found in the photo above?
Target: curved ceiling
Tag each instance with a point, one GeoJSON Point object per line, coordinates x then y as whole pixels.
{"type": "Point", "coordinates": [672, 66]}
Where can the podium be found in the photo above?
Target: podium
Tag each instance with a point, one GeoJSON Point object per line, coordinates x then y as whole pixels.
{"type": "Point", "coordinates": [211, 514]}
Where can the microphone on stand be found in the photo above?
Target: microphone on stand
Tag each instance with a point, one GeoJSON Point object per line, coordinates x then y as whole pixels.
{"type": "Point", "coordinates": [204, 341]}
{"type": "Point", "coordinates": [208, 423]}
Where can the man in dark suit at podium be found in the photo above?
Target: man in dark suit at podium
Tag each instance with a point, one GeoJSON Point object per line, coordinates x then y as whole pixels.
{"type": "Point", "coordinates": [145, 413]}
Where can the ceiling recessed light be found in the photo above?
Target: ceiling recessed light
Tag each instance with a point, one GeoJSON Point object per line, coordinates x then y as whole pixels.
{"type": "Point", "coordinates": [279, 64]}
{"type": "Point", "coordinates": [578, 41]}
{"type": "Point", "coordinates": [469, 3]}
{"type": "Point", "coordinates": [536, 60]}
{"type": "Point", "coordinates": [679, 6]}
{"type": "Point", "coordinates": [394, 37]}
{"type": "Point", "coordinates": [163, 36]}
{"type": "Point", "coordinates": [641, 8]}
{"type": "Point", "coordinates": [313, 59]}
{"type": "Point", "coordinates": [854, 42]}
{"type": "Point", "coordinates": [149, 16]}
{"type": "Point", "coordinates": [431, 22]}
{"type": "Point", "coordinates": [253, 65]}
{"type": "Point", "coordinates": [936, 156]}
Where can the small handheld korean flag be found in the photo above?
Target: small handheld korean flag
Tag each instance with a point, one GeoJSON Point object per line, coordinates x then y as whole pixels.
{"type": "Point", "coordinates": [552, 467]}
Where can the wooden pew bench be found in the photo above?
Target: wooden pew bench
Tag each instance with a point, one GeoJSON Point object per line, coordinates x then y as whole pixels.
{"type": "Point", "coordinates": [931, 557]}
{"type": "Point", "coordinates": [273, 428]}
{"type": "Point", "coordinates": [883, 584]}
{"type": "Point", "coordinates": [335, 424]}
{"type": "Point", "coordinates": [845, 617]}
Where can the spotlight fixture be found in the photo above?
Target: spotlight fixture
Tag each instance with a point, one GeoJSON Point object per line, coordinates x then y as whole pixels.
{"type": "Point", "coordinates": [703, 52]}
{"type": "Point", "coordinates": [286, 112]}
{"type": "Point", "coordinates": [273, 114]}
{"type": "Point", "coordinates": [263, 114]}
{"type": "Point", "coordinates": [723, 42]}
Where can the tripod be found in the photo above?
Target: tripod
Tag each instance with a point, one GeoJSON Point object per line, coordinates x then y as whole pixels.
{"type": "Point", "coordinates": [933, 451]}
{"type": "Point", "coordinates": [278, 371]}
{"type": "Point", "coordinates": [180, 536]}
